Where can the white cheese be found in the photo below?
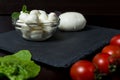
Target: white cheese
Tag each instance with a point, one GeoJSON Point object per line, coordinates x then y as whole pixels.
{"type": "Point", "coordinates": [72, 21]}
{"type": "Point", "coordinates": [37, 25]}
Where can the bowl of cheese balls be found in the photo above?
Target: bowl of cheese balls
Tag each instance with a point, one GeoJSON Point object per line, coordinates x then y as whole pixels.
{"type": "Point", "coordinates": [36, 25]}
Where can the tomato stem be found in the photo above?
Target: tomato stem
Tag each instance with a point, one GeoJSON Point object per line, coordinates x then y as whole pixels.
{"type": "Point", "coordinates": [112, 68]}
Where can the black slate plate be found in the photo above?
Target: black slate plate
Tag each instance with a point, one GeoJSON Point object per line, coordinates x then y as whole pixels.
{"type": "Point", "coordinates": [63, 49]}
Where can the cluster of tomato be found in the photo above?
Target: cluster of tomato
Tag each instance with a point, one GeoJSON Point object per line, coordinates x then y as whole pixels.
{"type": "Point", "coordinates": [102, 63]}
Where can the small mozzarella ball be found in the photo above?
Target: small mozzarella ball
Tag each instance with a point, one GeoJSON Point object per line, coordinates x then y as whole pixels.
{"type": "Point", "coordinates": [32, 19]}
{"type": "Point", "coordinates": [35, 12]}
{"type": "Point", "coordinates": [24, 36]}
{"type": "Point", "coordinates": [36, 34]}
{"type": "Point", "coordinates": [23, 16]}
{"type": "Point", "coordinates": [20, 23]}
{"type": "Point", "coordinates": [43, 16]}
{"type": "Point", "coordinates": [71, 21]}
{"type": "Point", "coordinates": [48, 29]}
{"type": "Point", "coordinates": [25, 32]}
{"type": "Point", "coordinates": [26, 28]}
{"type": "Point", "coordinates": [52, 17]}
{"type": "Point", "coordinates": [43, 13]}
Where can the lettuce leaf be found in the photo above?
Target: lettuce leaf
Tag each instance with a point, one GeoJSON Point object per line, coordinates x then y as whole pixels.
{"type": "Point", "coordinates": [15, 15]}
{"type": "Point", "coordinates": [19, 66]}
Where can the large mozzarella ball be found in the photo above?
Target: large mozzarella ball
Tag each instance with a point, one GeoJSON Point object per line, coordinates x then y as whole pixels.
{"type": "Point", "coordinates": [72, 21]}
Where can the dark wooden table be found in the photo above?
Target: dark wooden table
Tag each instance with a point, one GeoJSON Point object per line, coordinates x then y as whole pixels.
{"type": "Point", "coordinates": [47, 72]}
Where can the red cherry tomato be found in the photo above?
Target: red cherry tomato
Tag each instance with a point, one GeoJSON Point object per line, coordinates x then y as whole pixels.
{"type": "Point", "coordinates": [114, 51]}
{"type": "Point", "coordinates": [82, 70]}
{"type": "Point", "coordinates": [102, 62]}
{"type": "Point", "coordinates": [115, 40]}
{"type": "Point", "coordinates": [111, 50]}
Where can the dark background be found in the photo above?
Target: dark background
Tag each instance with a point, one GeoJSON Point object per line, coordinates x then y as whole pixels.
{"type": "Point", "coordinates": [104, 13]}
